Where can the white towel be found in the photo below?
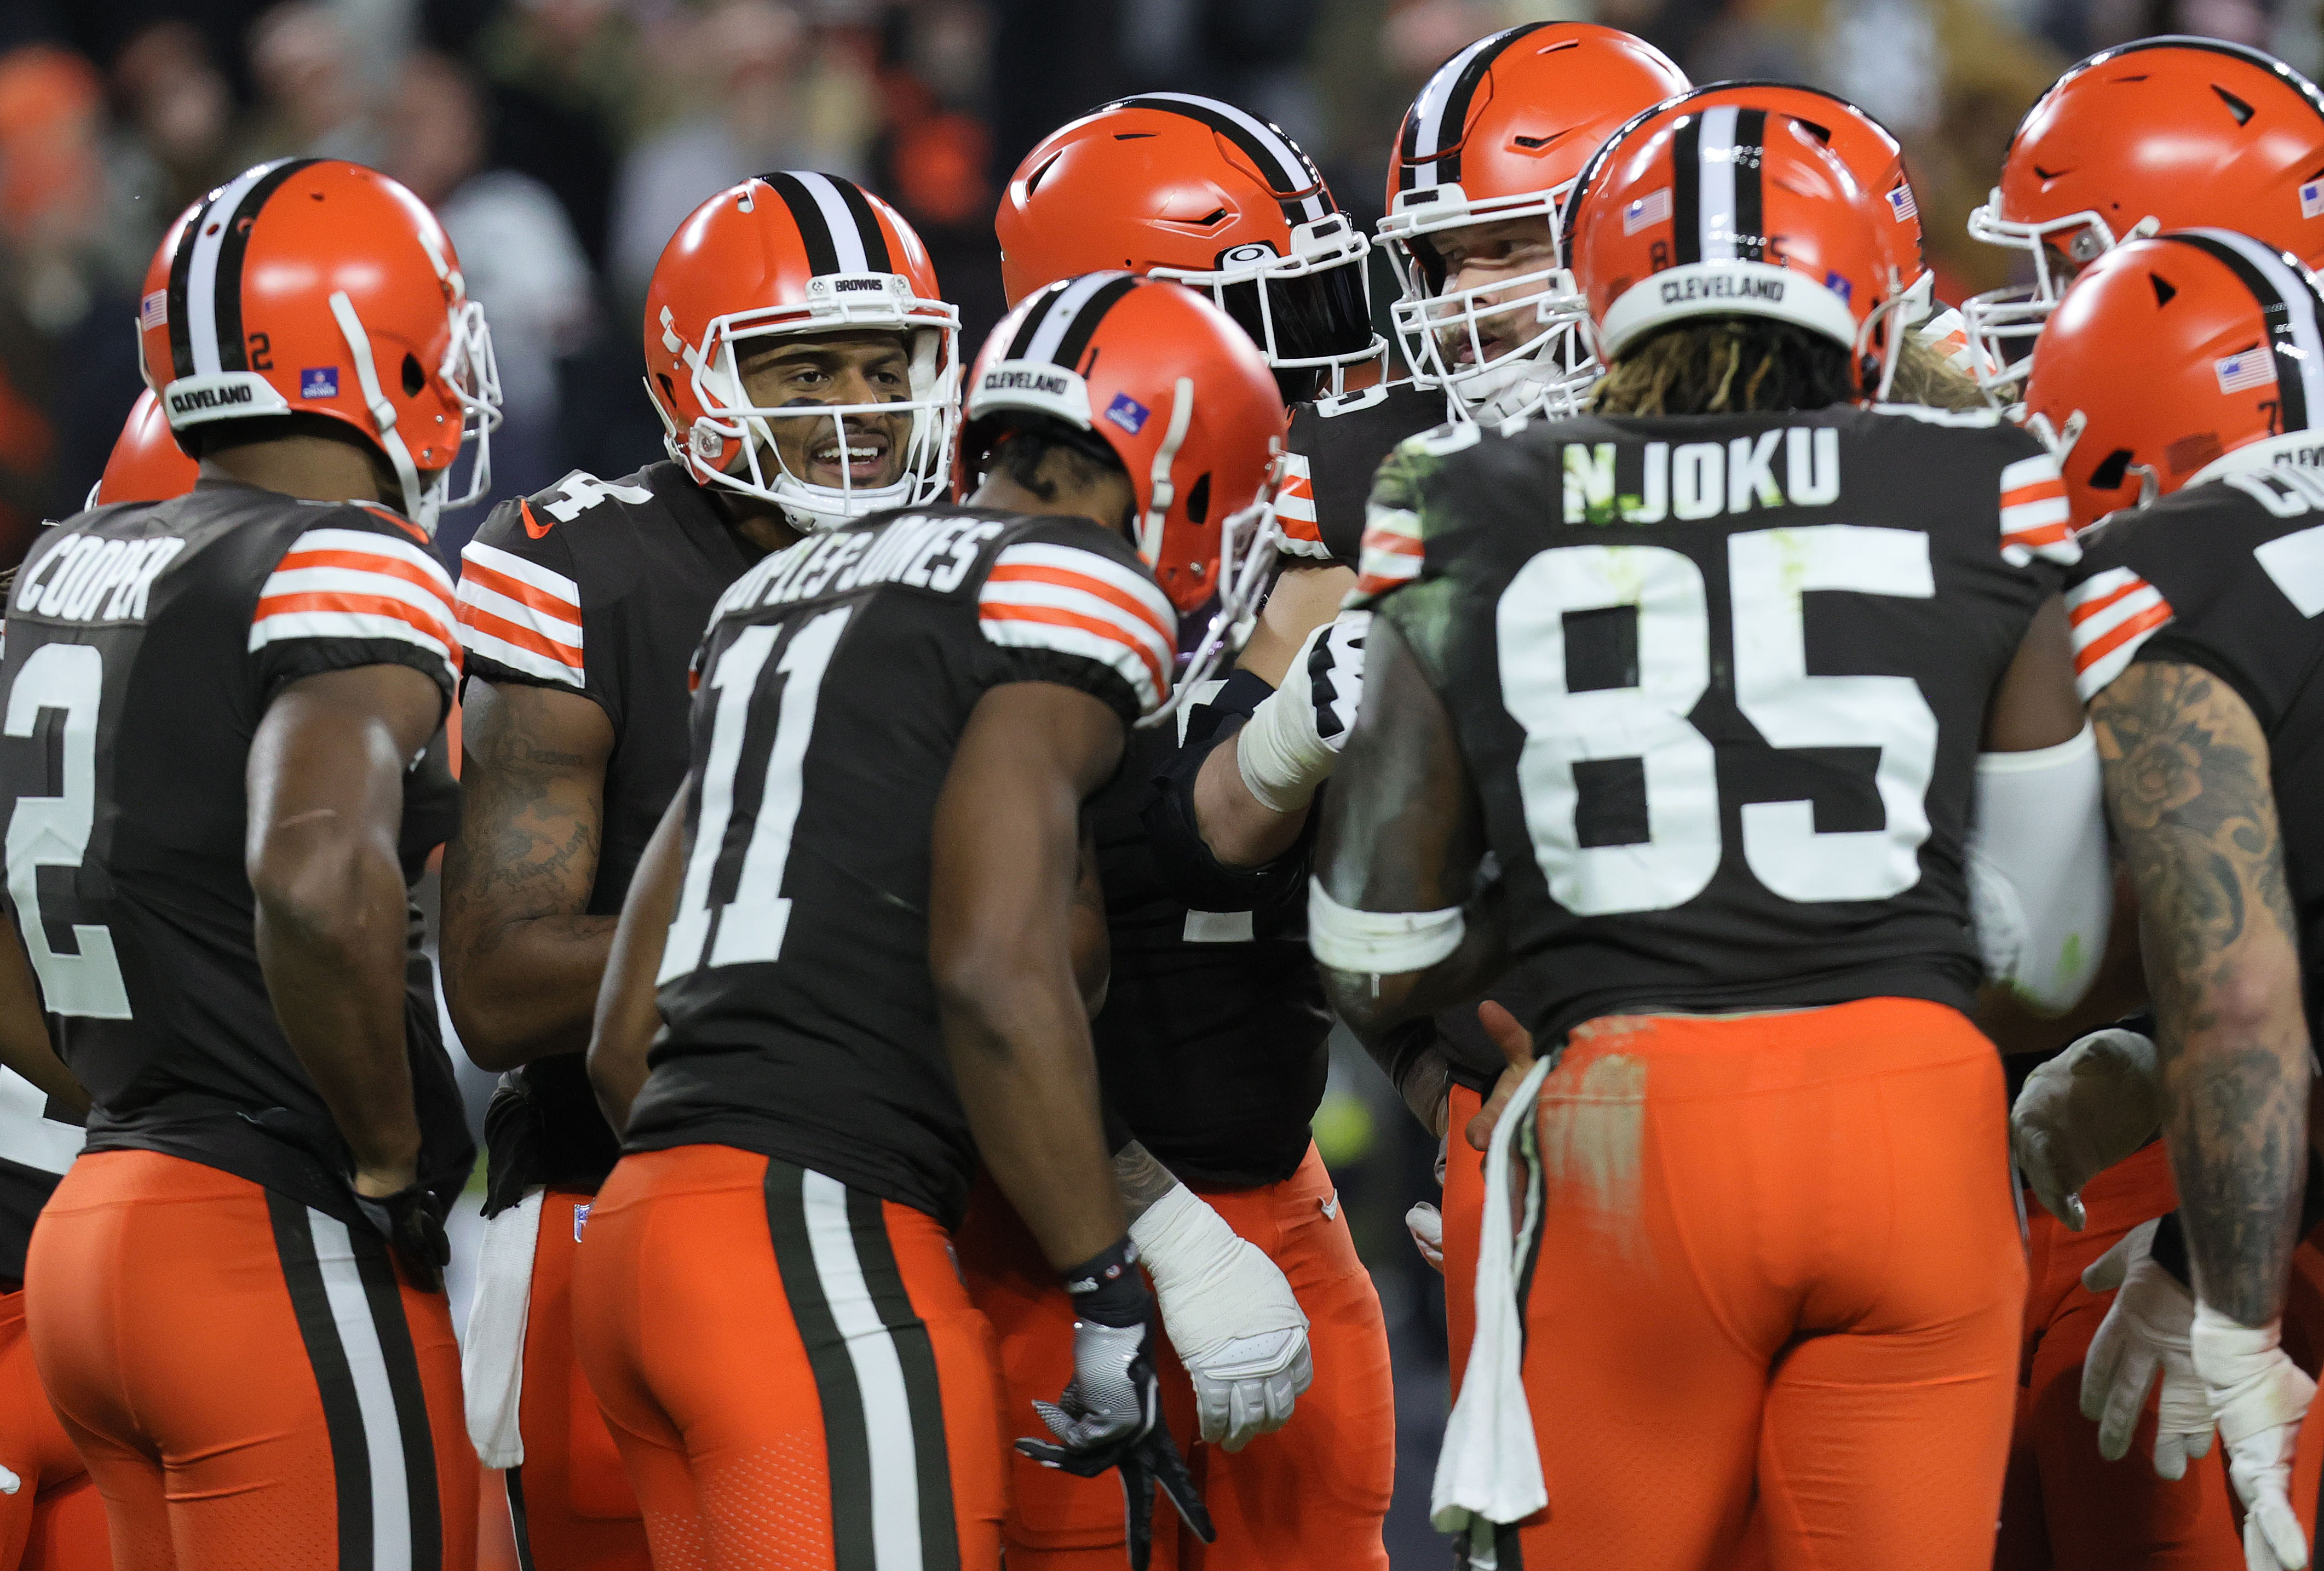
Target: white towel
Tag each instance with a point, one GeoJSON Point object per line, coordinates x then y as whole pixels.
{"type": "Point", "coordinates": [1490, 1470]}
{"type": "Point", "coordinates": [492, 1354]}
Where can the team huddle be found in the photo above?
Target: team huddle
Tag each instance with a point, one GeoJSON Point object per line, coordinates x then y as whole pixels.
{"type": "Point", "coordinates": [1681, 703]}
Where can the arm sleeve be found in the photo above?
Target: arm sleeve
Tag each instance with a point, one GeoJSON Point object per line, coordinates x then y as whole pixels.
{"type": "Point", "coordinates": [1073, 606]}
{"type": "Point", "coordinates": [356, 588]}
{"type": "Point", "coordinates": [520, 603]}
{"type": "Point", "coordinates": [2041, 886]}
{"type": "Point", "coordinates": [1189, 873]}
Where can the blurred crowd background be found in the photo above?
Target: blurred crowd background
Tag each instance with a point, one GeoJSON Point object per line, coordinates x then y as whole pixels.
{"type": "Point", "coordinates": [562, 141]}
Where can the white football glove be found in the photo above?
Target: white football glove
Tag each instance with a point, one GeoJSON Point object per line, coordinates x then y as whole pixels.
{"type": "Point", "coordinates": [2082, 1112]}
{"type": "Point", "coordinates": [1231, 1317]}
{"type": "Point", "coordinates": [1292, 738]}
{"type": "Point", "coordinates": [2260, 1396]}
{"type": "Point", "coordinates": [1427, 1227]}
{"type": "Point", "coordinates": [2143, 1335]}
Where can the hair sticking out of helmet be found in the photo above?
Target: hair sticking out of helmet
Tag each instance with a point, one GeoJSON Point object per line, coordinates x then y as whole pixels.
{"type": "Point", "coordinates": [2163, 133]}
{"type": "Point", "coordinates": [1485, 163]}
{"type": "Point", "coordinates": [1680, 225]}
{"type": "Point", "coordinates": [316, 287]}
{"type": "Point", "coordinates": [146, 464]}
{"type": "Point", "coordinates": [752, 310]}
{"type": "Point", "coordinates": [2177, 359]}
{"type": "Point", "coordinates": [1185, 405]}
{"type": "Point", "coordinates": [1198, 192]}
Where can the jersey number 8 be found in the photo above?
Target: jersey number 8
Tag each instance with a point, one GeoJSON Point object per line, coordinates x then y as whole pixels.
{"type": "Point", "coordinates": [1768, 571]}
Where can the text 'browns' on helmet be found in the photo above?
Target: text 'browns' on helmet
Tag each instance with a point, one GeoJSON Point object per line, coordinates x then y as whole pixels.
{"type": "Point", "coordinates": [1199, 192]}
{"type": "Point", "coordinates": [777, 261]}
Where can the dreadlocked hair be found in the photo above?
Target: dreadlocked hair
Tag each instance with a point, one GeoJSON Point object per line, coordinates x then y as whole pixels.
{"type": "Point", "coordinates": [1924, 376]}
{"type": "Point", "coordinates": [1725, 366]}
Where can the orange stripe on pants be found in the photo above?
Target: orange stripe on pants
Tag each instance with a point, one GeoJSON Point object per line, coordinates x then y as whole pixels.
{"type": "Point", "coordinates": [166, 1316]}
{"type": "Point", "coordinates": [781, 1396]}
{"type": "Point", "coordinates": [1776, 1252]}
{"type": "Point", "coordinates": [2066, 1508]}
{"type": "Point", "coordinates": [579, 1512]}
{"type": "Point", "coordinates": [1312, 1494]}
{"type": "Point", "coordinates": [1464, 1213]}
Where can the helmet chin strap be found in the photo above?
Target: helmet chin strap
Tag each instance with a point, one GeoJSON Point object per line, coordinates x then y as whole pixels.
{"type": "Point", "coordinates": [420, 501]}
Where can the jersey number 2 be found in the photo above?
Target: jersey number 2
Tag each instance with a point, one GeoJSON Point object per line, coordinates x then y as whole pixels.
{"type": "Point", "coordinates": [53, 831]}
{"type": "Point", "coordinates": [751, 925]}
{"type": "Point", "coordinates": [1768, 570]}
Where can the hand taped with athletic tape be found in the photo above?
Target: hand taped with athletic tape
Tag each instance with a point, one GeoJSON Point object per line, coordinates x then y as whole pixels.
{"type": "Point", "coordinates": [1110, 1417]}
{"type": "Point", "coordinates": [1289, 745]}
{"type": "Point", "coordinates": [2260, 1396]}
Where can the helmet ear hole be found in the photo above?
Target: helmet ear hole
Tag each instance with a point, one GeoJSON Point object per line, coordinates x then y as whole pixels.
{"type": "Point", "coordinates": [1198, 501]}
{"type": "Point", "coordinates": [2111, 470]}
{"type": "Point", "coordinates": [414, 378]}
{"type": "Point", "coordinates": [668, 392]}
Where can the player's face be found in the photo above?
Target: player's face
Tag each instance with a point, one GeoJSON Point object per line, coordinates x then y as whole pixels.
{"type": "Point", "coordinates": [836, 369]}
{"type": "Point", "coordinates": [1482, 255]}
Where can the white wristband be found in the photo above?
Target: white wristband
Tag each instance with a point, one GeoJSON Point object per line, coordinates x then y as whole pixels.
{"type": "Point", "coordinates": [1379, 943]}
{"type": "Point", "coordinates": [1281, 759]}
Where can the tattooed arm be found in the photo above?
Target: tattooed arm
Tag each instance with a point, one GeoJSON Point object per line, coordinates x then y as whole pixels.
{"type": "Point", "coordinates": [522, 963]}
{"type": "Point", "coordinates": [2187, 787]}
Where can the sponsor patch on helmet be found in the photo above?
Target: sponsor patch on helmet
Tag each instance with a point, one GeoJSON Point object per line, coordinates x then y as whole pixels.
{"type": "Point", "coordinates": [2241, 372]}
{"type": "Point", "coordinates": [1127, 413]}
{"type": "Point", "coordinates": [2311, 198]}
{"type": "Point", "coordinates": [1248, 255]}
{"type": "Point", "coordinates": [1653, 208]}
{"type": "Point", "coordinates": [1840, 286]}
{"type": "Point", "coordinates": [320, 382]}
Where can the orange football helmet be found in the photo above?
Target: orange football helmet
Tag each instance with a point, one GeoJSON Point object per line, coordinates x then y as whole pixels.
{"type": "Point", "coordinates": [1861, 143]}
{"type": "Point", "coordinates": [2163, 133]}
{"type": "Point", "coordinates": [1199, 192]}
{"type": "Point", "coordinates": [1503, 131]}
{"type": "Point", "coordinates": [2175, 359]}
{"type": "Point", "coordinates": [319, 287]}
{"type": "Point", "coordinates": [1184, 399]}
{"type": "Point", "coordinates": [796, 253]}
{"type": "Point", "coordinates": [1732, 211]}
{"type": "Point", "coordinates": [147, 465]}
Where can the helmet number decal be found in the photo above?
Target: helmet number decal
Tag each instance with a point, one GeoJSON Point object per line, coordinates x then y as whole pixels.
{"type": "Point", "coordinates": [262, 353]}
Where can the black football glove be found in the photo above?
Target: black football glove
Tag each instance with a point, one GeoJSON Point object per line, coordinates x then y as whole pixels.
{"type": "Point", "coordinates": [412, 1222]}
{"type": "Point", "coordinates": [1110, 1416]}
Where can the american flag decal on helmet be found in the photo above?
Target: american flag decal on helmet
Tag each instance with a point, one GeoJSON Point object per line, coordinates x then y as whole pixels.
{"type": "Point", "coordinates": [2239, 373]}
{"type": "Point", "coordinates": [2311, 198]}
{"type": "Point", "coordinates": [1901, 202]}
{"type": "Point", "coordinates": [1654, 207]}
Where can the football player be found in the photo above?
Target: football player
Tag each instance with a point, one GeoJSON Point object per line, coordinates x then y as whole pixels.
{"type": "Point", "coordinates": [51, 1518]}
{"type": "Point", "coordinates": [2163, 133]}
{"type": "Point", "coordinates": [1211, 1043]}
{"type": "Point", "coordinates": [803, 364]}
{"type": "Point", "coordinates": [877, 852]}
{"type": "Point", "coordinates": [2183, 374]}
{"type": "Point", "coordinates": [225, 764]}
{"type": "Point", "coordinates": [1613, 652]}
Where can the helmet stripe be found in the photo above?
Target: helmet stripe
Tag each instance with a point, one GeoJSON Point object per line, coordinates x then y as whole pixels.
{"type": "Point", "coordinates": [1059, 331]}
{"type": "Point", "coordinates": [1444, 102]}
{"type": "Point", "coordinates": [1686, 191]}
{"type": "Point", "coordinates": [200, 245]}
{"type": "Point", "coordinates": [867, 225]}
{"type": "Point", "coordinates": [2289, 305]}
{"type": "Point", "coordinates": [233, 243]}
{"type": "Point", "coordinates": [1728, 146]}
{"type": "Point", "coordinates": [814, 228]}
{"type": "Point", "coordinates": [1285, 163]}
{"type": "Point", "coordinates": [1083, 327]}
{"type": "Point", "coordinates": [1744, 160]}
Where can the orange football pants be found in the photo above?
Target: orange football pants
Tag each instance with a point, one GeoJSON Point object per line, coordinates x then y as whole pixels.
{"type": "Point", "coordinates": [1778, 1253]}
{"type": "Point", "coordinates": [2065, 1507]}
{"type": "Point", "coordinates": [251, 1382]}
{"type": "Point", "coordinates": [1312, 1494]}
{"type": "Point", "coordinates": [570, 1504]}
{"type": "Point", "coordinates": [51, 1516]}
{"type": "Point", "coordinates": [1464, 1211]}
{"type": "Point", "coordinates": [793, 1373]}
